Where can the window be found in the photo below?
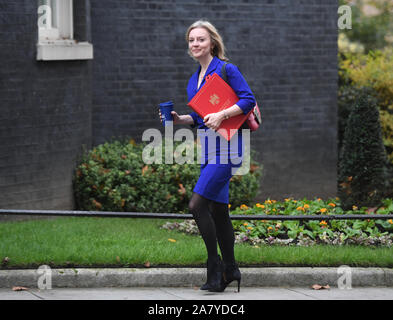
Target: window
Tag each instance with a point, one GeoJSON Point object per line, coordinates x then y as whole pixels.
{"type": "Point", "coordinates": [55, 19]}
{"type": "Point", "coordinates": [56, 32]}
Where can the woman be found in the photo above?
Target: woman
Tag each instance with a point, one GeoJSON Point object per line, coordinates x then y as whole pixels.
{"type": "Point", "coordinates": [209, 201]}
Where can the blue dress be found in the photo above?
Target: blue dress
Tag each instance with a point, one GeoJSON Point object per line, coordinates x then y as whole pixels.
{"type": "Point", "coordinates": [219, 159]}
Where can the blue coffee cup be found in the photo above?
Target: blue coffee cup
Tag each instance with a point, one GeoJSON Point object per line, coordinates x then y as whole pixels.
{"type": "Point", "coordinates": [166, 108]}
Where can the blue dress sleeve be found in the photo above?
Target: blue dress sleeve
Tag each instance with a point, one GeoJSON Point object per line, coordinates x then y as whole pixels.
{"type": "Point", "coordinates": [194, 116]}
{"type": "Point", "coordinates": [239, 85]}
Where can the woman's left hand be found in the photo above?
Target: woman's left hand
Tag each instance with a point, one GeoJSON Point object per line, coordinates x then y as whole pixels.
{"type": "Point", "coordinates": [213, 120]}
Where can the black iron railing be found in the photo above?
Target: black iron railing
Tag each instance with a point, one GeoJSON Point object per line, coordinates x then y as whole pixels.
{"type": "Point", "coordinates": [109, 214]}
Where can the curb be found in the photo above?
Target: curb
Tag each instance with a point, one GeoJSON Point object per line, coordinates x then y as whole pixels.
{"type": "Point", "coordinates": [195, 277]}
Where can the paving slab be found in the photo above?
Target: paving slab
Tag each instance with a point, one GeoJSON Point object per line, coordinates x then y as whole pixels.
{"type": "Point", "coordinates": [192, 294]}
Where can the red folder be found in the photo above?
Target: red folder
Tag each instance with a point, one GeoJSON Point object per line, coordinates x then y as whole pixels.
{"type": "Point", "coordinates": [214, 96]}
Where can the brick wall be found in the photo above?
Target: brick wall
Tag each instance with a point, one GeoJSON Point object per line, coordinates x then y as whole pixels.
{"type": "Point", "coordinates": [45, 116]}
{"type": "Point", "coordinates": [286, 49]}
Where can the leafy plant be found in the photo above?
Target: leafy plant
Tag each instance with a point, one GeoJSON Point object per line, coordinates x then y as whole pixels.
{"type": "Point", "coordinates": [372, 71]}
{"type": "Point", "coordinates": [372, 31]}
{"type": "Point", "coordinates": [114, 177]}
{"type": "Point", "coordinates": [307, 232]}
{"type": "Point", "coordinates": [363, 165]}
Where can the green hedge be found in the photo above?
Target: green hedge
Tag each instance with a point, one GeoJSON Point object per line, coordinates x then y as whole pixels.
{"type": "Point", "coordinates": [363, 165]}
{"type": "Point", "coordinates": [114, 177]}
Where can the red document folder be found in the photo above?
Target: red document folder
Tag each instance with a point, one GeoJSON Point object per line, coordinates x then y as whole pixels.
{"type": "Point", "coordinates": [214, 96]}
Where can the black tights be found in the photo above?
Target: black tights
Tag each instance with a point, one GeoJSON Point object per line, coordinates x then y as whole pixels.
{"type": "Point", "coordinates": [214, 224]}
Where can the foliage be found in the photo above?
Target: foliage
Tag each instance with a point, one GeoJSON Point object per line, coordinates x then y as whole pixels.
{"type": "Point", "coordinates": [114, 177]}
{"type": "Point", "coordinates": [306, 232]}
{"type": "Point", "coordinates": [347, 46]}
{"type": "Point", "coordinates": [374, 71]}
{"type": "Point", "coordinates": [373, 31]}
{"type": "Point", "coordinates": [363, 171]}
{"type": "Point", "coordinates": [347, 96]}
{"type": "Point", "coordinates": [244, 188]}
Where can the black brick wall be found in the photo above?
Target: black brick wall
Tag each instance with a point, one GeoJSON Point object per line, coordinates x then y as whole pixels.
{"type": "Point", "coordinates": [45, 116]}
{"type": "Point", "coordinates": [286, 49]}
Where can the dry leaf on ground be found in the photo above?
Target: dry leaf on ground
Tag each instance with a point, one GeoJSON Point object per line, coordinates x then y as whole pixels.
{"type": "Point", "coordinates": [319, 287]}
{"type": "Point", "coordinates": [19, 288]}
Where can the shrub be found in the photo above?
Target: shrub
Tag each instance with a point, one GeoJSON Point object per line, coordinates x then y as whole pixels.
{"type": "Point", "coordinates": [373, 70]}
{"type": "Point", "coordinates": [243, 189]}
{"type": "Point", "coordinates": [373, 31]}
{"type": "Point", "coordinates": [114, 177]}
{"type": "Point", "coordinates": [347, 97]}
{"type": "Point", "coordinates": [363, 173]}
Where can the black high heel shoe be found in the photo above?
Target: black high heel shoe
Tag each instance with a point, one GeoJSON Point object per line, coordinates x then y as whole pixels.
{"type": "Point", "coordinates": [215, 282]}
{"type": "Point", "coordinates": [206, 285]}
{"type": "Point", "coordinates": [231, 273]}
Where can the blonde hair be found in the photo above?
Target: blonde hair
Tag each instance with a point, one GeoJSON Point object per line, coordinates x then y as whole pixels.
{"type": "Point", "coordinates": [218, 43]}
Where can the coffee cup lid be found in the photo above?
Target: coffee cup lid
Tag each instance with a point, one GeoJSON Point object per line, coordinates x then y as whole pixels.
{"type": "Point", "coordinates": [166, 104]}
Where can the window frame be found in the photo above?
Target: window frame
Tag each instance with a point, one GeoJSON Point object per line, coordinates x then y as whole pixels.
{"type": "Point", "coordinates": [56, 36]}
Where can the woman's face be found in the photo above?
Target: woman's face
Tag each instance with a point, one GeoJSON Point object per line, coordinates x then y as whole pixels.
{"type": "Point", "coordinates": [199, 43]}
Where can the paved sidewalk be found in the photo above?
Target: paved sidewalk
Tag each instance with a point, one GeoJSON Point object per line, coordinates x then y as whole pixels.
{"type": "Point", "coordinates": [230, 294]}
{"type": "Point", "coordinates": [178, 284]}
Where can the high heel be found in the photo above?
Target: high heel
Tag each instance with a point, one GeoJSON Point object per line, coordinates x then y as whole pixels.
{"type": "Point", "coordinates": [231, 273]}
{"type": "Point", "coordinates": [206, 285]}
{"type": "Point", "coordinates": [215, 283]}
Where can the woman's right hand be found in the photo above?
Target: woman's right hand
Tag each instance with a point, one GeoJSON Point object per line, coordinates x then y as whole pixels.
{"type": "Point", "coordinates": [176, 117]}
